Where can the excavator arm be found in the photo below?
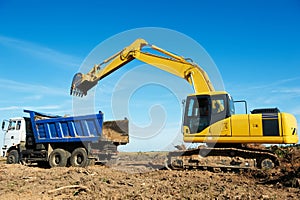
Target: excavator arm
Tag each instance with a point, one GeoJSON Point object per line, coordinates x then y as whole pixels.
{"type": "Point", "coordinates": [164, 60]}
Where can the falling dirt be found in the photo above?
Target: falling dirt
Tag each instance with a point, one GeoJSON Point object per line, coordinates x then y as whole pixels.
{"type": "Point", "coordinates": [138, 179]}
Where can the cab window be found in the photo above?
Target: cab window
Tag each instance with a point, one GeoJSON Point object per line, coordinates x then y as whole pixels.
{"type": "Point", "coordinates": [18, 127]}
{"type": "Point", "coordinates": [218, 108]}
{"type": "Point", "coordinates": [197, 114]}
{"type": "Point", "coordinates": [12, 125]}
{"type": "Point", "coordinates": [191, 107]}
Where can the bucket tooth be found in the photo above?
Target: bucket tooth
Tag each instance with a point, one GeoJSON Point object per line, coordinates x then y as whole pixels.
{"type": "Point", "coordinates": [77, 83]}
{"type": "Point", "coordinates": [81, 84]}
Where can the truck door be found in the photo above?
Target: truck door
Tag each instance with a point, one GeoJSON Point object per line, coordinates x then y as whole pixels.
{"type": "Point", "coordinates": [13, 134]}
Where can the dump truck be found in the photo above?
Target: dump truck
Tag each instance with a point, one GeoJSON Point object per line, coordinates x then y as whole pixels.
{"type": "Point", "coordinates": [59, 141]}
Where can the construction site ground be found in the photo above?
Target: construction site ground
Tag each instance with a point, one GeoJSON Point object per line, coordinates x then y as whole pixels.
{"type": "Point", "coordinates": [138, 176]}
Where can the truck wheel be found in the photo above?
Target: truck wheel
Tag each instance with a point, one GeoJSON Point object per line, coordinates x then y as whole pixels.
{"type": "Point", "coordinates": [58, 158]}
{"type": "Point", "coordinates": [13, 157]}
{"type": "Point", "coordinates": [79, 158]}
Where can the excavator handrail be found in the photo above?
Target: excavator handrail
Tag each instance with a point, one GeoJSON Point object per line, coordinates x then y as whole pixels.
{"type": "Point", "coordinates": [172, 63]}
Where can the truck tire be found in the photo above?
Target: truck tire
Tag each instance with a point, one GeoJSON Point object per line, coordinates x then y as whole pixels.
{"type": "Point", "coordinates": [58, 158]}
{"type": "Point", "coordinates": [13, 157]}
{"type": "Point", "coordinates": [79, 158]}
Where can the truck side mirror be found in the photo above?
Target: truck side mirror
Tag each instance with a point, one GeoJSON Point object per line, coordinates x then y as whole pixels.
{"type": "Point", "coordinates": [3, 125]}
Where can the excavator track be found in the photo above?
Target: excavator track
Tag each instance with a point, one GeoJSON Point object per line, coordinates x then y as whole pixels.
{"type": "Point", "coordinates": [208, 158]}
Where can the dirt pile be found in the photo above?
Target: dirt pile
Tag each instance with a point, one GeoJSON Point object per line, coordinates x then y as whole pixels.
{"type": "Point", "coordinates": [23, 182]}
{"type": "Point", "coordinates": [133, 177]}
{"type": "Point", "coordinates": [288, 174]}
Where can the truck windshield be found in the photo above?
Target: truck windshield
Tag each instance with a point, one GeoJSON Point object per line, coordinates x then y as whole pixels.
{"type": "Point", "coordinates": [12, 125]}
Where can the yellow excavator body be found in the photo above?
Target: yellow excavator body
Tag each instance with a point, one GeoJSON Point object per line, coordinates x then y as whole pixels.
{"type": "Point", "coordinates": [264, 126]}
{"type": "Point", "coordinates": [247, 128]}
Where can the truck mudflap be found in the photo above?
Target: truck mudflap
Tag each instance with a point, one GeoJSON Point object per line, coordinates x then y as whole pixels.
{"type": "Point", "coordinates": [116, 131]}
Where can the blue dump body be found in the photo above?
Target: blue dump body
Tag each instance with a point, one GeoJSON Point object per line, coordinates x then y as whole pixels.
{"type": "Point", "coordinates": [87, 128]}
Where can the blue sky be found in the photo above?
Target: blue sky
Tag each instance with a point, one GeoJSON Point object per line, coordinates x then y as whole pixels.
{"type": "Point", "coordinates": [255, 45]}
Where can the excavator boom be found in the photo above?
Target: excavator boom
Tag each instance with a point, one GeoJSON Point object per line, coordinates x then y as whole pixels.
{"type": "Point", "coordinates": [166, 61]}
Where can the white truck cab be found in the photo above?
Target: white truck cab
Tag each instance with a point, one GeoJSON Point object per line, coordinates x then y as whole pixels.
{"type": "Point", "coordinates": [14, 133]}
{"type": "Point", "coordinates": [55, 141]}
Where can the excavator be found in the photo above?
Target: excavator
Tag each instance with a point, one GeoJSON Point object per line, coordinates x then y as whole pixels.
{"type": "Point", "coordinates": [209, 115]}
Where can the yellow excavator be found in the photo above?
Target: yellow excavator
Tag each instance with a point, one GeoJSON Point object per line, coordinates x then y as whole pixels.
{"type": "Point", "coordinates": [209, 115]}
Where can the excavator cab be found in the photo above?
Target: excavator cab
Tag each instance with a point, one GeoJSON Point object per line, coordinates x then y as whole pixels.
{"type": "Point", "coordinates": [203, 110]}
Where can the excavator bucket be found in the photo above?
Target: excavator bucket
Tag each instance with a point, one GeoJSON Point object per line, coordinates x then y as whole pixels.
{"type": "Point", "coordinates": [80, 85]}
{"type": "Point", "coordinates": [116, 131]}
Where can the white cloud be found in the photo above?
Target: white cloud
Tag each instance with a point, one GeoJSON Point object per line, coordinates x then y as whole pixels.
{"type": "Point", "coordinates": [42, 52]}
{"type": "Point", "coordinates": [9, 108]}
{"type": "Point", "coordinates": [275, 84]}
{"type": "Point", "coordinates": [293, 91]}
{"type": "Point", "coordinates": [33, 97]}
{"type": "Point", "coordinates": [283, 94]}
{"type": "Point", "coordinates": [47, 107]}
{"type": "Point", "coordinates": [10, 85]}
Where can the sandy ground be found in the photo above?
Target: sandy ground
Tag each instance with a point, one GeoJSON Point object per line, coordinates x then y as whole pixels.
{"type": "Point", "coordinates": [135, 181]}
